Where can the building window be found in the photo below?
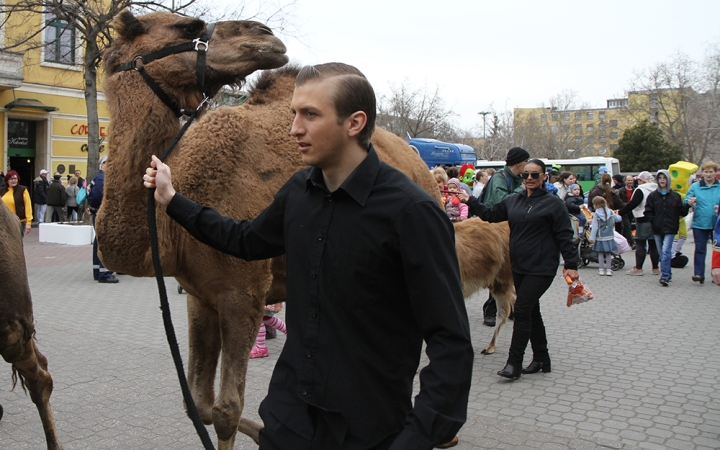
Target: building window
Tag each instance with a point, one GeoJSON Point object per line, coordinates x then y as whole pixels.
{"type": "Point", "coordinates": [591, 139]}
{"type": "Point", "coordinates": [589, 116]}
{"type": "Point", "coordinates": [601, 126]}
{"type": "Point", "coordinates": [613, 147]}
{"type": "Point", "coordinates": [60, 41]}
{"type": "Point", "coordinates": [578, 128]}
{"type": "Point", "coordinates": [566, 116]}
{"type": "Point", "coordinates": [543, 129]}
{"type": "Point", "coordinates": [613, 135]}
{"type": "Point", "coordinates": [543, 118]}
{"type": "Point", "coordinates": [554, 128]}
{"type": "Point", "coordinates": [653, 100]}
{"type": "Point", "coordinates": [602, 150]}
{"type": "Point", "coordinates": [578, 139]}
{"type": "Point", "coordinates": [566, 128]}
{"type": "Point", "coordinates": [603, 139]}
{"type": "Point", "coordinates": [578, 116]}
{"type": "Point", "coordinates": [613, 123]}
{"type": "Point", "coordinates": [554, 117]}
{"type": "Point", "coordinates": [601, 115]}
{"type": "Point", "coordinates": [590, 128]}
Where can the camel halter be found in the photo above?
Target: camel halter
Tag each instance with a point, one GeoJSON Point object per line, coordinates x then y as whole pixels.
{"type": "Point", "coordinates": [200, 45]}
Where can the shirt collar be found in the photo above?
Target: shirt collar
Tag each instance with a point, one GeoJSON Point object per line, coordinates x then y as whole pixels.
{"type": "Point", "coordinates": [358, 184]}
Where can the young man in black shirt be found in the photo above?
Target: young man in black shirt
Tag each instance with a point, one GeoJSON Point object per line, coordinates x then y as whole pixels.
{"type": "Point", "coordinates": [371, 273]}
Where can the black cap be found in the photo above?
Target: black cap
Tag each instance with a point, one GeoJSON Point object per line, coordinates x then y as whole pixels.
{"type": "Point", "coordinates": [516, 155]}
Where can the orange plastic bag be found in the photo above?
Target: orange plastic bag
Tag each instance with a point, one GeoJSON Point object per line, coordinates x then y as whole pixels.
{"type": "Point", "coordinates": [577, 292]}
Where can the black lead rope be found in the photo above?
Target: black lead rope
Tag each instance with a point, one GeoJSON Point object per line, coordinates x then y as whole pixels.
{"type": "Point", "coordinates": [200, 45]}
{"type": "Point", "coordinates": [165, 305]}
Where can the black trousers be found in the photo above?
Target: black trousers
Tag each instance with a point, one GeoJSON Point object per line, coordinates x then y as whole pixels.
{"type": "Point", "coordinates": [641, 251]}
{"type": "Point", "coordinates": [490, 307]}
{"type": "Point", "coordinates": [529, 324]}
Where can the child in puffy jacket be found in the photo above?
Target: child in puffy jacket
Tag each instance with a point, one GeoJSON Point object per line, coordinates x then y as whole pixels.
{"type": "Point", "coordinates": [455, 209]}
{"type": "Point", "coordinates": [574, 201]}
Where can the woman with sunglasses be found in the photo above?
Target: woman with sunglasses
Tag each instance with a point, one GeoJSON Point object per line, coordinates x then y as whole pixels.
{"type": "Point", "coordinates": [539, 231]}
{"type": "Point", "coordinates": [17, 199]}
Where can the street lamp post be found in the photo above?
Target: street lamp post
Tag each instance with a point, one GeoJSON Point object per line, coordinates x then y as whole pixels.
{"type": "Point", "coordinates": [484, 113]}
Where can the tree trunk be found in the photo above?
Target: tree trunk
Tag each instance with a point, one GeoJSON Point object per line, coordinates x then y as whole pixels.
{"type": "Point", "coordinates": [90, 77]}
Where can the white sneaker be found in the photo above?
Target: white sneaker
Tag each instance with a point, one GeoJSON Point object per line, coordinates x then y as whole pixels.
{"type": "Point", "coordinates": [608, 272]}
{"type": "Point", "coordinates": [601, 272]}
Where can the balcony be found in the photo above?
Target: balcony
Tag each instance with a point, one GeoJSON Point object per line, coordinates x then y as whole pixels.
{"type": "Point", "coordinates": [11, 70]}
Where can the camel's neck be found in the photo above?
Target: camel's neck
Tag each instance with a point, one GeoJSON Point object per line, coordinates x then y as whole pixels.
{"type": "Point", "coordinates": [141, 125]}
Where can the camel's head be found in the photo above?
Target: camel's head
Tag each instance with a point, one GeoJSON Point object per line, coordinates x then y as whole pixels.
{"type": "Point", "coordinates": [235, 50]}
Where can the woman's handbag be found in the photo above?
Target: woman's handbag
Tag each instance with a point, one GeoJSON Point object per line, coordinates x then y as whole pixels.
{"type": "Point", "coordinates": [577, 293]}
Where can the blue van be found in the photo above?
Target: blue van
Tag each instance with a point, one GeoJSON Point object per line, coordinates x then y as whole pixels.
{"type": "Point", "coordinates": [438, 153]}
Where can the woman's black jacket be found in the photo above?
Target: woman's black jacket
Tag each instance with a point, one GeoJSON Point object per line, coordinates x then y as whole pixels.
{"type": "Point", "coordinates": [539, 231]}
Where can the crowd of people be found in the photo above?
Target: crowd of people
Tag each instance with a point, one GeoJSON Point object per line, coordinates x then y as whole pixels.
{"type": "Point", "coordinates": [51, 200]}
{"type": "Point", "coordinates": [644, 210]}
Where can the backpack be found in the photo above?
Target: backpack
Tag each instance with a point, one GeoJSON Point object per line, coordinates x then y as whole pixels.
{"type": "Point", "coordinates": [504, 175]}
{"type": "Point", "coordinates": [80, 197]}
{"type": "Point", "coordinates": [604, 223]}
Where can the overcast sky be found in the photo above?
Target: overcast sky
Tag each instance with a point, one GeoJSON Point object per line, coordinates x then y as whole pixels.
{"type": "Point", "coordinates": [503, 53]}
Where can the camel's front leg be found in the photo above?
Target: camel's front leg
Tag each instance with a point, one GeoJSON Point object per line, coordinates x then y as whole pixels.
{"type": "Point", "coordinates": [204, 350]}
{"type": "Point", "coordinates": [33, 367]}
{"type": "Point", "coordinates": [240, 318]}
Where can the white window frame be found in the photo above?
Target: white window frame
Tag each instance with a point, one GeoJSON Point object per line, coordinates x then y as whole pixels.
{"type": "Point", "coordinates": [78, 66]}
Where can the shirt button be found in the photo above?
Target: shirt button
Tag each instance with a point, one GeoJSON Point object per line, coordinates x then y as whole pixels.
{"type": "Point", "coordinates": [304, 392]}
{"type": "Point", "coordinates": [313, 276]}
{"type": "Point", "coordinates": [320, 238]}
{"type": "Point", "coordinates": [314, 315]}
{"type": "Point", "coordinates": [309, 355]}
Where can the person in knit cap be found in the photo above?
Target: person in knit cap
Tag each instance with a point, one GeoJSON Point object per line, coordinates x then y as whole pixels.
{"type": "Point", "coordinates": [573, 201]}
{"type": "Point", "coordinates": [502, 184]}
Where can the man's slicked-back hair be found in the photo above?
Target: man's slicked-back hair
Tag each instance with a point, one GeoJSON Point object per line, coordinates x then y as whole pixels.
{"type": "Point", "coordinates": [353, 93]}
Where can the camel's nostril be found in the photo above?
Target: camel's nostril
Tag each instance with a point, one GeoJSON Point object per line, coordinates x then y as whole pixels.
{"type": "Point", "coordinates": [264, 29]}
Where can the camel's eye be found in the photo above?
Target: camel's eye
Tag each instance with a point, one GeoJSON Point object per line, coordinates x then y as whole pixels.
{"type": "Point", "coordinates": [192, 29]}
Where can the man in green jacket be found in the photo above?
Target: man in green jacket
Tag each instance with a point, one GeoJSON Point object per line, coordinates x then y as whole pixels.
{"type": "Point", "coordinates": [504, 182]}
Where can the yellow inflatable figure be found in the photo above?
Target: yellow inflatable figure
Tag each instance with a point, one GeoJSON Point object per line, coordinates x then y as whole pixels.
{"type": "Point", "coordinates": [680, 174]}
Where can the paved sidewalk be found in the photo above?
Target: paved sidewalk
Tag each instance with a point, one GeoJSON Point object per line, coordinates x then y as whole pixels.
{"type": "Point", "coordinates": [637, 367]}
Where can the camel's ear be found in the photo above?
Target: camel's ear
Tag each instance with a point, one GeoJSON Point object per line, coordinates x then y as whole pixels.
{"type": "Point", "coordinates": [127, 25]}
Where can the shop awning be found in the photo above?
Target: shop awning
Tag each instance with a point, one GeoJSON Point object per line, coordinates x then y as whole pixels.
{"type": "Point", "coordinates": [30, 103]}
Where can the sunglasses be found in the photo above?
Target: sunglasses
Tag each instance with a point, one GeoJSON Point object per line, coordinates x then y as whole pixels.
{"type": "Point", "coordinates": [534, 175]}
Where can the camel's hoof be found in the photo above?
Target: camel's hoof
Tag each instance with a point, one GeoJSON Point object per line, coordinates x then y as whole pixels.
{"type": "Point", "coordinates": [487, 352]}
{"type": "Point", "coordinates": [452, 443]}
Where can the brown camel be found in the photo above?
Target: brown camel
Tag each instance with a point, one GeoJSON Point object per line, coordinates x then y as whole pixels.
{"type": "Point", "coordinates": [232, 159]}
{"type": "Point", "coordinates": [17, 327]}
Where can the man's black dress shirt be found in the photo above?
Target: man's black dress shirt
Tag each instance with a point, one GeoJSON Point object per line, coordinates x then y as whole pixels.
{"type": "Point", "coordinates": [371, 273]}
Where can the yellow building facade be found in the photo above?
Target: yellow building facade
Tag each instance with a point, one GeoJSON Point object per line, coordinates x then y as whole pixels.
{"type": "Point", "coordinates": [581, 132]}
{"type": "Point", "coordinates": [43, 116]}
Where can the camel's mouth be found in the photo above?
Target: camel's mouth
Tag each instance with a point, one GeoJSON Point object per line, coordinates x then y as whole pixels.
{"type": "Point", "coordinates": [263, 49]}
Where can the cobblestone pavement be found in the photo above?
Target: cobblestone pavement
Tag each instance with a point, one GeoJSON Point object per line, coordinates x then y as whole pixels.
{"type": "Point", "coordinates": [637, 367]}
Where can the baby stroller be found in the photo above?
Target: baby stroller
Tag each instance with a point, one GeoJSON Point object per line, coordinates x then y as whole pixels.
{"type": "Point", "coordinates": [587, 254]}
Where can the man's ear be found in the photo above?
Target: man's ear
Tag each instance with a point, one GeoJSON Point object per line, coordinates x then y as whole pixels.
{"type": "Point", "coordinates": [356, 123]}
